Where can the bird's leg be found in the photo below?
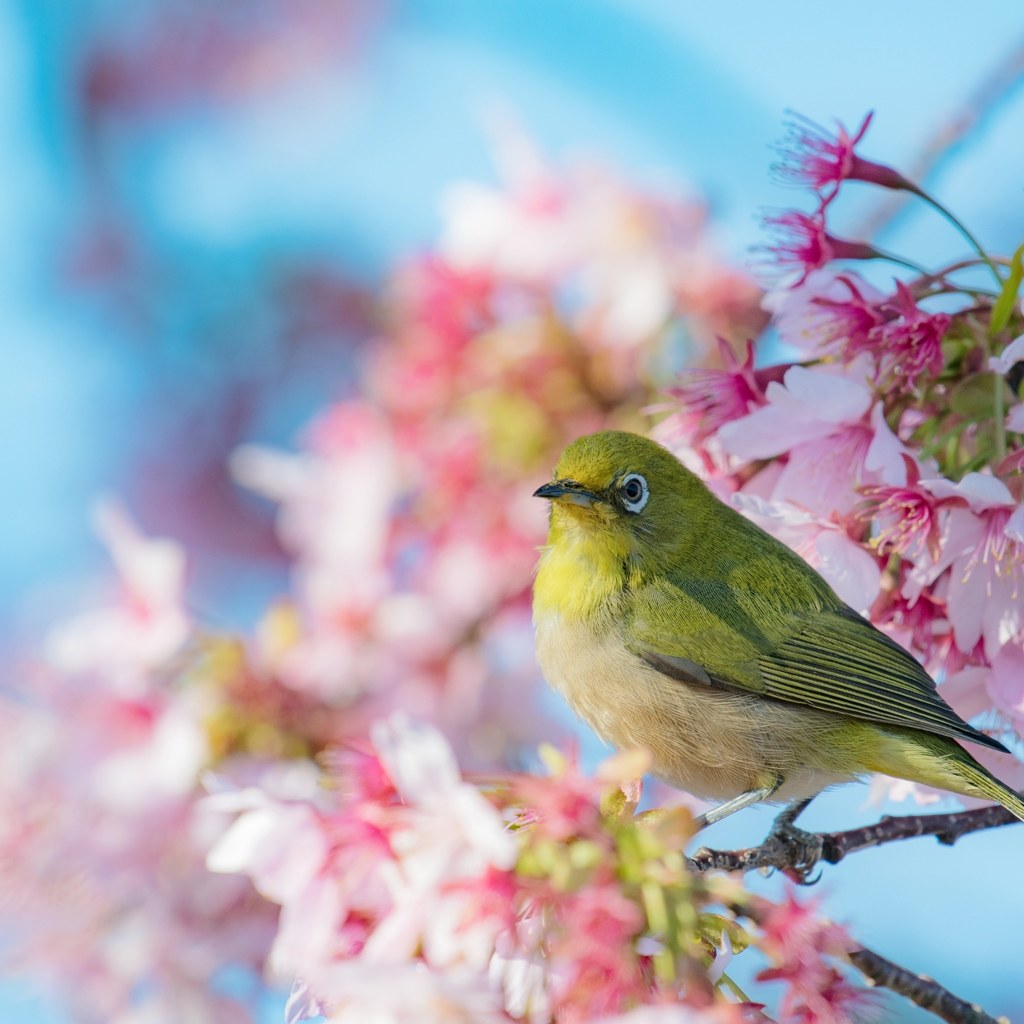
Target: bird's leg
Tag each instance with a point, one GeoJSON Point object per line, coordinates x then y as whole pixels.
{"type": "Point", "coordinates": [788, 815]}
{"type": "Point", "coordinates": [737, 803]}
{"type": "Point", "coordinates": [804, 848]}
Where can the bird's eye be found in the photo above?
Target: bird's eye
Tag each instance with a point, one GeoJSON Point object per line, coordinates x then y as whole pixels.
{"type": "Point", "coordinates": [634, 491]}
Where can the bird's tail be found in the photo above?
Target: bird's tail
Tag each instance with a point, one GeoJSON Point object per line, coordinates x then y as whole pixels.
{"type": "Point", "coordinates": [983, 783]}
{"type": "Point", "coordinates": [943, 763]}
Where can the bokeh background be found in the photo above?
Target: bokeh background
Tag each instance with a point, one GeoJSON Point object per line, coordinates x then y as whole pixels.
{"type": "Point", "coordinates": [201, 202]}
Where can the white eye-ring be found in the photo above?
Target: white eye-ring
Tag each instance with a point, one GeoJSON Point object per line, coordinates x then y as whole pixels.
{"type": "Point", "coordinates": [635, 492]}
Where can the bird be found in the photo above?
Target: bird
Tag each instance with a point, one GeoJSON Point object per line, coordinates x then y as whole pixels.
{"type": "Point", "coordinates": [669, 621]}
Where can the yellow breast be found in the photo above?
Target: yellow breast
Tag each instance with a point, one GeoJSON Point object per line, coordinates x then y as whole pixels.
{"type": "Point", "coordinates": [578, 577]}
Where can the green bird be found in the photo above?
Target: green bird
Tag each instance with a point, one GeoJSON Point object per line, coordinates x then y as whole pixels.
{"type": "Point", "coordinates": [669, 621]}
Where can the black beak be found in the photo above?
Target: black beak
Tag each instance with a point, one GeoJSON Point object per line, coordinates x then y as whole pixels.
{"type": "Point", "coordinates": [567, 490]}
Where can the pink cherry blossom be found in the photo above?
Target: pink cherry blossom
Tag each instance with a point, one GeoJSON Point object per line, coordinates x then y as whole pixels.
{"type": "Point", "coordinates": [910, 344]}
{"type": "Point", "coordinates": [1008, 358]}
{"type": "Point", "coordinates": [813, 157]}
{"type": "Point", "coordinates": [103, 846]}
{"type": "Point", "coordinates": [526, 230]}
{"type": "Point", "coordinates": [450, 831]}
{"type": "Point", "coordinates": [906, 515]}
{"type": "Point", "coordinates": [803, 946]}
{"type": "Point", "coordinates": [352, 992]}
{"type": "Point", "coordinates": [675, 1014]}
{"type": "Point", "coordinates": [827, 313]}
{"type": "Point", "coordinates": [1003, 364]}
{"type": "Point", "coordinates": [615, 261]}
{"type": "Point", "coordinates": [281, 846]}
{"type": "Point", "coordinates": [808, 404]}
{"type": "Point", "coordinates": [336, 503]}
{"type": "Point", "coordinates": [710, 398]}
{"type": "Point", "coordinates": [975, 689]}
{"type": "Point", "coordinates": [919, 624]}
{"type": "Point", "coordinates": [145, 626]}
{"type": "Point", "coordinates": [882, 788]}
{"type": "Point", "coordinates": [982, 547]}
{"type": "Point", "coordinates": [802, 244]}
{"type": "Point", "coordinates": [836, 440]}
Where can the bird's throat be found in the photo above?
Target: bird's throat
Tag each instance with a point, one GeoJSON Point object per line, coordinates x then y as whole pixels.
{"type": "Point", "coordinates": [580, 571]}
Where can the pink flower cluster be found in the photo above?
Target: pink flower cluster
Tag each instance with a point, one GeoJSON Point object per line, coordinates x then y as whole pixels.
{"type": "Point", "coordinates": [805, 948]}
{"type": "Point", "coordinates": [102, 841]}
{"type": "Point", "coordinates": [407, 893]}
{"type": "Point", "coordinates": [884, 453]}
{"type": "Point", "coordinates": [407, 517]}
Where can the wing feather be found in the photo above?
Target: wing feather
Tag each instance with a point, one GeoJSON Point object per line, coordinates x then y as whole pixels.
{"type": "Point", "coordinates": [824, 657]}
{"type": "Point", "coordinates": [837, 661]}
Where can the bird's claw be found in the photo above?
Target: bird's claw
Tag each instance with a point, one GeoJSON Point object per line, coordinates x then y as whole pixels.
{"type": "Point", "coordinates": [798, 850]}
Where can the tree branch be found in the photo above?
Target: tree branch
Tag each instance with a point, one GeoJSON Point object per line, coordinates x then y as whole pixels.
{"type": "Point", "coordinates": [799, 855]}
{"type": "Point", "coordinates": [919, 989]}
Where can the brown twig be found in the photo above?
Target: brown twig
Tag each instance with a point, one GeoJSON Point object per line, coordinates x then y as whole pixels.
{"type": "Point", "coordinates": [989, 93]}
{"type": "Point", "coordinates": [919, 989]}
{"type": "Point", "coordinates": [781, 853]}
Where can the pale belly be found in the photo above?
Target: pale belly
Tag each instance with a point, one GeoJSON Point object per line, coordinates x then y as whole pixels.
{"type": "Point", "coordinates": [712, 743]}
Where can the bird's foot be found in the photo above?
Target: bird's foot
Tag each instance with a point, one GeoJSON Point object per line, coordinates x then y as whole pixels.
{"type": "Point", "coordinates": [795, 851]}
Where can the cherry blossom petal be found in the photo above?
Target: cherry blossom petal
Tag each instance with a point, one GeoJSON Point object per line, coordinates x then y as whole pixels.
{"type": "Point", "coordinates": [1008, 358]}
{"type": "Point", "coordinates": [886, 455]}
{"type": "Point", "coordinates": [853, 572]}
{"type": "Point", "coordinates": [981, 491]}
{"type": "Point", "coordinates": [810, 403]}
{"type": "Point", "coordinates": [1006, 683]}
{"type": "Point", "coordinates": [824, 313]}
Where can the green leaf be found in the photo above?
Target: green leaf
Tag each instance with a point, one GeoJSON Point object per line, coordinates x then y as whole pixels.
{"type": "Point", "coordinates": [1004, 304]}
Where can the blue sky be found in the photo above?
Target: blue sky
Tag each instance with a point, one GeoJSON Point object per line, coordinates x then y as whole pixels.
{"type": "Point", "coordinates": [355, 162]}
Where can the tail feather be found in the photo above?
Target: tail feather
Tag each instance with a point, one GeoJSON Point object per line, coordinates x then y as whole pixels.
{"type": "Point", "coordinates": [943, 763]}
{"type": "Point", "coordinates": [984, 783]}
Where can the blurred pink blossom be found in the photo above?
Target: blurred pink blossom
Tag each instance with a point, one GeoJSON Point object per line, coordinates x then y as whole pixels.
{"type": "Point", "coordinates": [621, 262]}
{"type": "Point", "coordinates": [804, 946]}
{"type": "Point", "coordinates": [148, 623]}
{"type": "Point", "coordinates": [404, 993]}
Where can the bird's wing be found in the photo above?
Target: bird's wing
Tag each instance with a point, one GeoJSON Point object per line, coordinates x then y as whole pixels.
{"type": "Point", "coordinates": [831, 659]}
{"type": "Point", "coordinates": [837, 661]}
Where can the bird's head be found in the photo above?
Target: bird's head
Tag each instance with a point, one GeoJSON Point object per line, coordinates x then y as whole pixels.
{"type": "Point", "coordinates": [624, 491]}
